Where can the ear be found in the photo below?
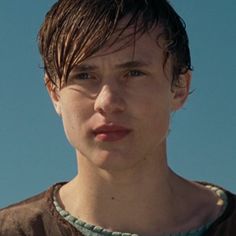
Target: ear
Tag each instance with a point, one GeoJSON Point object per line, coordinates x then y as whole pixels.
{"type": "Point", "coordinates": [53, 92]}
{"type": "Point", "coordinates": [180, 91]}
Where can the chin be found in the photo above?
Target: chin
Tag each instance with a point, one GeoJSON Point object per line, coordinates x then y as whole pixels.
{"type": "Point", "coordinates": [112, 161]}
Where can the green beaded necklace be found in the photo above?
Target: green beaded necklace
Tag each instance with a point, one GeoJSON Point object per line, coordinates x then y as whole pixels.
{"type": "Point", "coordinates": [92, 230]}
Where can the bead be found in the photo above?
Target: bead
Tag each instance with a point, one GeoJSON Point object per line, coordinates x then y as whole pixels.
{"type": "Point", "coordinates": [98, 229]}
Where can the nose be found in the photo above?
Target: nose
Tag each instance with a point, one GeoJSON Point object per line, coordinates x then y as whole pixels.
{"type": "Point", "coordinates": [109, 101]}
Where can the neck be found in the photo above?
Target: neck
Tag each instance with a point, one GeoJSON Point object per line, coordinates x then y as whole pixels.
{"type": "Point", "coordinates": [119, 200]}
{"type": "Point", "coordinates": [148, 178]}
{"type": "Point", "coordinates": [110, 197]}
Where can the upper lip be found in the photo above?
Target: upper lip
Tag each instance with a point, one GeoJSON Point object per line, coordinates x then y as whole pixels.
{"type": "Point", "coordinates": [110, 128]}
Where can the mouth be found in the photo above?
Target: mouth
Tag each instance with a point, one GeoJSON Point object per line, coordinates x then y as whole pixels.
{"type": "Point", "coordinates": [110, 133]}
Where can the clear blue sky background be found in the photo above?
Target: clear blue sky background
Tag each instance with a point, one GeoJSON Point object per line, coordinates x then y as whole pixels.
{"type": "Point", "coordinates": [33, 150]}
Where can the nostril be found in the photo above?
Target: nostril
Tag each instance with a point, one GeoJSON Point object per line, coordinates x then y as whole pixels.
{"type": "Point", "coordinates": [101, 111]}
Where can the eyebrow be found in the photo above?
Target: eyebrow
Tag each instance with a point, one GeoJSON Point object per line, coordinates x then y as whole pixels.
{"type": "Point", "coordinates": [132, 64]}
{"type": "Point", "coordinates": [125, 65]}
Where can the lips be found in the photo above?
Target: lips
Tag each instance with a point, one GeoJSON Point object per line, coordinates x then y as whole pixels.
{"type": "Point", "coordinates": [110, 133]}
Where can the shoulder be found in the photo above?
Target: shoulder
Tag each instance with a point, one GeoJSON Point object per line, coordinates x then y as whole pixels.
{"type": "Point", "coordinates": [27, 215]}
{"type": "Point", "coordinates": [226, 224]}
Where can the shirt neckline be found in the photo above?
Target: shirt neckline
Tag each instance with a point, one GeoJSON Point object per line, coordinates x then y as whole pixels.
{"type": "Point", "coordinates": [89, 229]}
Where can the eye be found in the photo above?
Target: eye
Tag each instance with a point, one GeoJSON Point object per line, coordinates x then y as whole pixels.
{"type": "Point", "coordinates": [83, 76]}
{"type": "Point", "coordinates": [135, 73]}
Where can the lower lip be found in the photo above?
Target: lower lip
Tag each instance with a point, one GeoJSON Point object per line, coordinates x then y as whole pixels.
{"type": "Point", "coordinates": [112, 136]}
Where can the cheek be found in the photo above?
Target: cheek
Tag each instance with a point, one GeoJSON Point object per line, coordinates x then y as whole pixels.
{"type": "Point", "coordinates": [153, 103]}
{"type": "Point", "coordinates": [153, 112]}
{"type": "Point", "coordinates": [74, 117]}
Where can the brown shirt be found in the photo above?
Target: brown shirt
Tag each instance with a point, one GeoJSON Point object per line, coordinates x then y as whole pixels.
{"type": "Point", "coordinates": [37, 216]}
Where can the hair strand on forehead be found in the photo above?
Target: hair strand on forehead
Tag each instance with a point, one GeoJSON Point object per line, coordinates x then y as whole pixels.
{"type": "Point", "coordinates": [74, 30]}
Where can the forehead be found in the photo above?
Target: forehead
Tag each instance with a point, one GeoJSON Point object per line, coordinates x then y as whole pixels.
{"type": "Point", "coordinates": [127, 42]}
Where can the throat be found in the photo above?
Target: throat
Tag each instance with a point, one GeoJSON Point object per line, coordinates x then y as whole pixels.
{"type": "Point", "coordinates": [121, 207]}
{"type": "Point", "coordinates": [123, 211]}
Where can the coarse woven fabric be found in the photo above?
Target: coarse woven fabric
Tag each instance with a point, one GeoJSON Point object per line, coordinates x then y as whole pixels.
{"type": "Point", "coordinates": [37, 216]}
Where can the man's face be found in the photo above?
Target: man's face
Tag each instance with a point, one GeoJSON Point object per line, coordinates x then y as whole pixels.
{"type": "Point", "coordinates": [116, 105]}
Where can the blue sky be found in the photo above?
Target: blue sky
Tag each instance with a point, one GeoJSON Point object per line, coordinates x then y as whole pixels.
{"type": "Point", "coordinates": [33, 149]}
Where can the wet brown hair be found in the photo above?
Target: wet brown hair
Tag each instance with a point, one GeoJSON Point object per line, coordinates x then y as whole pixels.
{"type": "Point", "coordinates": [74, 30]}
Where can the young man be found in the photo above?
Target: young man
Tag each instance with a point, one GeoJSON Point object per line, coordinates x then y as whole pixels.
{"type": "Point", "coordinates": [115, 71]}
